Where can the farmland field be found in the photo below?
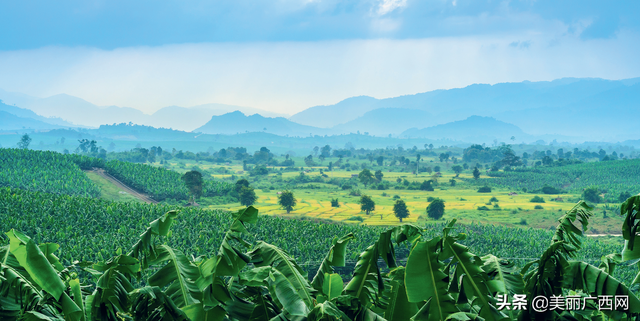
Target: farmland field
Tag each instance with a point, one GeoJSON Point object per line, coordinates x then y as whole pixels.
{"type": "Point", "coordinates": [107, 226]}
{"type": "Point", "coordinates": [45, 171]}
{"type": "Point", "coordinates": [462, 201]}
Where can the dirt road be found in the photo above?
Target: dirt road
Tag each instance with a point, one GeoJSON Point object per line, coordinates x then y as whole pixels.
{"type": "Point", "coordinates": [143, 197]}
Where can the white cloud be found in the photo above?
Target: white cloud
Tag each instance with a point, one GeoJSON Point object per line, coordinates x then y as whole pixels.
{"type": "Point", "coordinates": [387, 6]}
{"type": "Point", "coordinates": [290, 76]}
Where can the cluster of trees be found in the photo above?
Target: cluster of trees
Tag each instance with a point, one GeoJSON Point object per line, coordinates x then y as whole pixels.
{"type": "Point", "coordinates": [435, 209]}
{"type": "Point", "coordinates": [594, 194]}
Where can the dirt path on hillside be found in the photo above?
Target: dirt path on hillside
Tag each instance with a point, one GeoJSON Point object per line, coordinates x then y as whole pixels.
{"type": "Point", "coordinates": [143, 197]}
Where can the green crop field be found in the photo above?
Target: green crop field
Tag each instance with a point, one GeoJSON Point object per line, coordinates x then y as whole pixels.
{"type": "Point", "coordinates": [110, 228]}
{"type": "Point", "coordinates": [45, 171]}
{"type": "Point", "coordinates": [613, 176]}
{"type": "Point", "coordinates": [462, 201]}
{"type": "Point", "coordinates": [107, 225]}
{"type": "Point", "coordinates": [90, 231]}
{"type": "Point", "coordinates": [160, 183]}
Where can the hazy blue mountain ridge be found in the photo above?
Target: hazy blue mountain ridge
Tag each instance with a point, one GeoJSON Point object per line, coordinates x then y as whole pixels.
{"type": "Point", "coordinates": [584, 107]}
{"type": "Point", "coordinates": [27, 113]}
{"type": "Point", "coordinates": [236, 122]}
{"type": "Point", "coordinates": [385, 121]}
{"type": "Point", "coordinates": [472, 129]}
{"type": "Point", "coordinates": [10, 121]}
{"type": "Point", "coordinates": [79, 112]}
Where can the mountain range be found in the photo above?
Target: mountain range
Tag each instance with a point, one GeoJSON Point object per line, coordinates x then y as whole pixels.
{"type": "Point", "coordinates": [579, 107]}
{"type": "Point", "coordinates": [574, 109]}
{"type": "Point", "coordinates": [77, 112]}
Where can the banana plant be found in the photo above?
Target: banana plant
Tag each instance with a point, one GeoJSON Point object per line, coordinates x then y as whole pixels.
{"type": "Point", "coordinates": [442, 279]}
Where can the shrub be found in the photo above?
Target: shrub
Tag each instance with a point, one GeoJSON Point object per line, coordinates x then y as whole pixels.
{"type": "Point", "coordinates": [483, 208]}
{"type": "Point", "coordinates": [537, 199]}
{"type": "Point", "coordinates": [356, 218]}
{"type": "Point", "coordinates": [355, 192]}
{"type": "Point", "coordinates": [426, 186]}
{"type": "Point", "coordinates": [484, 189]}
{"type": "Point", "coordinates": [623, 196]}
{"type": "Point", "coordinates": [538, 207]}
{"type": "Point", "coordinates": [396, 197]}
{"type": "Point", "coordinates": [430, 199]}
{"type": "Point", "coordinates": [592, 194]}
{"type": "Point", "coordinates": [496, 207]}
{"type": "Point", "coordinates": [523, 221]}
{"type": "Point", "coordinates": [551, 190]}
{"type": "Point", "coordinates": [335, 203]}
{"type": "Point", "coordinates": [494, 199]}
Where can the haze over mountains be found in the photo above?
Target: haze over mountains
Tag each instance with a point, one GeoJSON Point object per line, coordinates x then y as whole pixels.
{"type": "Point", "coordinates": [79, 112]}
{"type": "Point", "coordinates": [570, 108]}
{"type": "Point", "coordinates": [586, 107]}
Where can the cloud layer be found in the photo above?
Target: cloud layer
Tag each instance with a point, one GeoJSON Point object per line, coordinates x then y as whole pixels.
{"type": "Point", "coordinates": [123, 23]}
{"type": "Point", "coordinates": [288, 55]}
{"type": "Point", "coordinates": [287, 77]}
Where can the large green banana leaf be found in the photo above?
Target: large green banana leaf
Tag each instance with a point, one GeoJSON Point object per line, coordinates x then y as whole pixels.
{"type": "Point", "coordinates": [398, 307]}
{"type": "Point", "coordinates": [425, 281]}
{"type": "Point", "coordinates": [335, 257]}
{"type": "Point", "coordinates": [265, 254]}
{"type": "Point", "coordinates": [177, 276]}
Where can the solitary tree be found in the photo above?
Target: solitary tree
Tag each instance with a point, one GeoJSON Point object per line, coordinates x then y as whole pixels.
{"type": "Point", "coordinates": [367, 204]}
{"type": "Point", "coordinates": [509, 158]}
{"type": "Point", "coordinates": [240, 184]}
{"type": "Point", "coordinates": [378, 174]}
{"type": "Point", "coordinates": [476, 173]}
{"type": "Point", "coordinates": [287, 200]}
{"type": "Point", "coordinates": [400, 210]}
{"type": "Point", "coordinates": [247, 196]}
{"type": "Point", "coordinates": [457, 169]}
{"type": "Point", "coordinates": [435, 210]}
{"type": "Point", "coordinates": [24, 142]}
{"type": "Point", "coordinates": [417, 163]}
{"type": "Point", "coordinates": [194, 182]}
{"type": "Point", "coordinates": [365, 177]}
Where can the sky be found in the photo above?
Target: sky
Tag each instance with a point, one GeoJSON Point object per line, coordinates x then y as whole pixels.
{"type": "Point", "coordinates": [288, 55]}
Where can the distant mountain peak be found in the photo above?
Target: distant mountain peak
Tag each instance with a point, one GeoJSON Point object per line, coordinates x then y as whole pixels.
{"type": "Point", "coordinates": [237, 122]}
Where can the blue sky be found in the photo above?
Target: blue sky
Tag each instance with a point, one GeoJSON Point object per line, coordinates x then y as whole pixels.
{"type": "Point", "coordinates": [291, 54]}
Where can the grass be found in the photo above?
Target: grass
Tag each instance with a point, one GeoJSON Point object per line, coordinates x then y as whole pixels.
{"type": "Point", "coordinates": [109, 191]}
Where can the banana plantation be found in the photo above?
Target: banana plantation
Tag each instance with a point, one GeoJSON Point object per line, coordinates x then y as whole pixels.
{"type": "Point", "coordinates": [248, 279]}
